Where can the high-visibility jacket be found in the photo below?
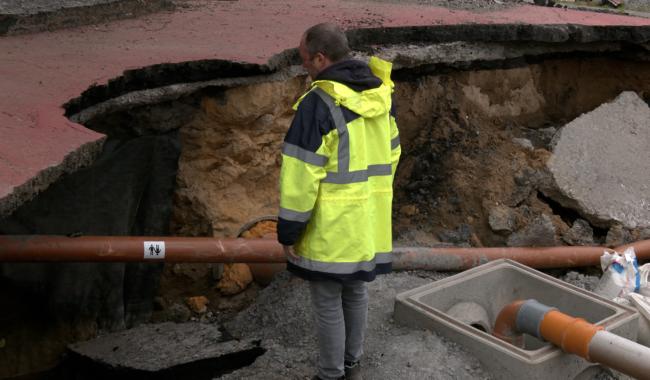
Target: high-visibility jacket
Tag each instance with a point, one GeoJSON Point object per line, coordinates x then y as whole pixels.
{"type": "Point", "coordinates": [336, 183]}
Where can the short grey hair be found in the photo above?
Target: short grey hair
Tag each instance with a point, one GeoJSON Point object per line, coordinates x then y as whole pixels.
{"type": "Point", "coordinates": [327, 39]}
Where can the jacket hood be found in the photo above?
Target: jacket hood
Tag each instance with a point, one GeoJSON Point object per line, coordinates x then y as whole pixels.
{"type": "Point", "coordinates": [364, 88]}
{"type": "Point", "coordinates": [352, 73]}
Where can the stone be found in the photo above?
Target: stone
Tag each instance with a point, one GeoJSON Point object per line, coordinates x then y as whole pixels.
{"type": "Point", "coordinates": [236, 277]}
{"type": "Point", "coordinates": [540, 138]}
{"type": "Point", "coordinates": [408, 210]}
{"type": "Point", "coordinates": [198, 304]}
{"type": "Point", "coordinates": [599, 165]}
{"type": "Point", "coordinates": [527, 180]}
{"type": "Point", "coordinates": [178, 313]}
{"type": "Point", "coordinates": [460, 236]}
{"type": "Point", "coordinates": [502, 219]}
{"type": "Point", "coordinates": [159, 303]}
{"type": "Point", "coordinates": [580, 233]}
{"type": "Point", "coordinates": [644, 234]}
{"type": "Point", "coordinates": [524, 143]}
{"type": "Point", "coordinates": [617, 236]}
{"type": "Point", "coordinates": [538, 233]}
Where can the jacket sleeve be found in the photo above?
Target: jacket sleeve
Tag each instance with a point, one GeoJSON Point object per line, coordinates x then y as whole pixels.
{"type": "Point", "coordinates": [304, 156]}
{"type": "Point", "coordinates": [396, 148]}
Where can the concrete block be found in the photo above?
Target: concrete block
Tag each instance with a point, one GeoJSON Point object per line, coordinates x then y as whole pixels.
{"type": "Point", "coordinates": [599, 164]}
{"type": "Point", "coordinates": [493, 286]}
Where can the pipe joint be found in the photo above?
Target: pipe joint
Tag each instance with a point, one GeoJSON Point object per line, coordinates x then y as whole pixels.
{"type": "Point", "coordinates": [530, 316]}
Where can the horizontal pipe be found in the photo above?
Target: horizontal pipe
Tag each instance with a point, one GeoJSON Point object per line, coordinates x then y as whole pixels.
{"type": "Point", "coordinates": [573, 335]}
{"type": "Point", "coordinates": [458, 259]}
{"type": "Point", "coordinates": [43, 248]}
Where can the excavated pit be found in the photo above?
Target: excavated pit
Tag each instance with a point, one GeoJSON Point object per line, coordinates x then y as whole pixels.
{"type": "Point", "coordinates": [477, 119]}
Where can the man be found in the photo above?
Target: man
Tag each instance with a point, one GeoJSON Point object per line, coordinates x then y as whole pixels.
{"type": "Point", "coordinates": [338, 163]}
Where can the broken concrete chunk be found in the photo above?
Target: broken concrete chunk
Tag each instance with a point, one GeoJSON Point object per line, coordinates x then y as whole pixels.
{"type": "Point", "coordinates": [599, 165]}
{"type": "Point", "coordinates": [460, 236]}
{"type": "Point", "coordinates": [540, 138]}
{"type": "Point", "coordinates": [527, 180]}
{"type": "Point", "coordinates": [502, 219]}
{"type": "Point", "coordinates": [539, 233]}
{"type": "Point", "coordinates": [617, 236]}
{"type": "Point", "coordinates": [580, 233]}
{"type": "Point", "coordinates": [158, 347]}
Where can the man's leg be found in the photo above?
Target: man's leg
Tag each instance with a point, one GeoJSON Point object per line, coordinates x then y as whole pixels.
{"type": "Point", "coordinates": [355, 311]}
{"type": "Point", "coordinates": [326, 301]}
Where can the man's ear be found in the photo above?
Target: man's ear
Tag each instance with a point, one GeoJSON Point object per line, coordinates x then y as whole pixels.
{"type": "Point", "coordinates": [320, 58]}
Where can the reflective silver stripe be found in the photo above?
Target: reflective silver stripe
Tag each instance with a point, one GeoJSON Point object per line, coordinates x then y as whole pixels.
{"type": "Point", "coordinates": [358, 175]}
{"type": "Point", "coordinates": [341, 268]}
{"type": "Point", "coordinates": [385, 169]}
{"type": "Point", "coordinates": [294, 216]}
{"type": "Point", "coordinates": [341, 127]}
{"type": "Point", "coordinates": [304, 155]}
{"type": "Point", "coordinates": [383, 257]}
{"type": "Point", "coordinates": [344, 175]}
{"type": "Point", "coordinates": [394, 143]}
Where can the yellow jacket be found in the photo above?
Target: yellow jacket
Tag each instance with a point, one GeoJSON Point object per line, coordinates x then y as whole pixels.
{"type": "Point", "coordinates": [336, 183]}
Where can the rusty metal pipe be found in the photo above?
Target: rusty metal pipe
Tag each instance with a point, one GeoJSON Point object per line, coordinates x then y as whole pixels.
{"type": "Point", "coordinates": [458, 259]}
{"type": "Point", "coordinates": [43, 248]}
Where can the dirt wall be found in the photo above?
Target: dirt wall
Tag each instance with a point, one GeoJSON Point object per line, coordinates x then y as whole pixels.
{"type": "Point", "coordinates": [459, 130]}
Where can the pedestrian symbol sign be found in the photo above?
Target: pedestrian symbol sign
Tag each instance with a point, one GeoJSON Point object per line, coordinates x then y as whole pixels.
{"type": "Point", "coordinates": [154, 249]}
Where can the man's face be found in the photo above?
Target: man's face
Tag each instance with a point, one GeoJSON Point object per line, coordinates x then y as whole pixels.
{"type": "Point", "coordinates": [314, 64]}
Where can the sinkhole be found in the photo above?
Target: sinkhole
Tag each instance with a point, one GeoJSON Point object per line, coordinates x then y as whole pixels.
{"type": "Point", "coordinates": [193, 149]}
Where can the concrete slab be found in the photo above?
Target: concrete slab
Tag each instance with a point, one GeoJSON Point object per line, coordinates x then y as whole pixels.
{"type": "Point", "coordinates": [159, 347]}
{"type": "Point", "coordinates": [493, 286]}
{"type": "Point", "coordinates": [600, 164]}
{"type": "Point", "coordinates": [41, 72]}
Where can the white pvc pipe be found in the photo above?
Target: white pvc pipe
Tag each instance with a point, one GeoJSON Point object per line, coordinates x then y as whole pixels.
{"type": "Point", "coordinates": [620, 354]}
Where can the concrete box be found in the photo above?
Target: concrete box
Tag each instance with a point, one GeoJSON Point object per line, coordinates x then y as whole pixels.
{"type": "Point", "coordinates": [493, 286]}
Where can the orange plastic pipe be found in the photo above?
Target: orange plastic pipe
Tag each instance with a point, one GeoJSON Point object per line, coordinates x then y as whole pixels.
{"type": "Point", "coordinates": [505, 327]}
{"type": "Point", "coordinates": [569, 333]}
{"type": "Point", "coordinates": [572, 335]}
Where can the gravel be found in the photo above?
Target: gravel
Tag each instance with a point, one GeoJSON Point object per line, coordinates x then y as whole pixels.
{"type": "Point", "coordinates": [282, 318]}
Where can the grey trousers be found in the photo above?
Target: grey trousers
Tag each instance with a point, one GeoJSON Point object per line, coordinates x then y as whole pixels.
{"type": "Point", "coordinates": [341, 312]}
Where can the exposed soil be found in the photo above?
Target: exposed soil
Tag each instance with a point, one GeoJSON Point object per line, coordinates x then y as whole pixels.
{"type": "Point", "coordinates": [472, 141]}
{"type": "Point", "coordinates": [462, 156]}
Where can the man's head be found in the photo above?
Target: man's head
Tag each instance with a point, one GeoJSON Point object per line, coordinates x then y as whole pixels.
{"type": "Point", "coordinates": [322, 45]}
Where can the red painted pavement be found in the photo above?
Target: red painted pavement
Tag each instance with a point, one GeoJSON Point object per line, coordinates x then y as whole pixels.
{"type": "Point", "coordinates": [39, 73]}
